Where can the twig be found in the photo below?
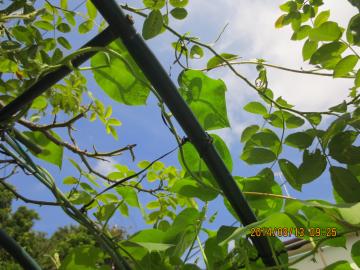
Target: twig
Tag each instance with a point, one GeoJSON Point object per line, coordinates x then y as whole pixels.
{"type": "Point", "coordinates": [24, 199]}
{"type": "Point", "coordinates": [129, 177]}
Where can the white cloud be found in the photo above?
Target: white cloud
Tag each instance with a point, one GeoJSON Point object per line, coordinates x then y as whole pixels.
{"type": "Point", "coordinates": [105, 167]}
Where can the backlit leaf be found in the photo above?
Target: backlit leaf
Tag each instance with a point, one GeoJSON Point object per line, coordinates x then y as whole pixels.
{"type": "Point", "coordinates": [327, 31]}
{"type": "Point", "coordinates": [216, 60]}
{"type": "Point", "coordinates": [179, 3]}
{"type": "Point", "coordinates": [321, 18]}
{"type": "Point", "coordinates": [345, 65]}
{"type": "Point", "coordinates": [248, 132]}
{"type": "Point", "coordinates": [206, 98]}
{"type": "Point", "coordinates": [130, 88]}
{"type": "Point", "coordinates": [52, 152]}
{"type": "Point", "coordinates": [308, 49]}
{"type": "Point", "coordinates": [328, 55]}
{"type": "Point", "coordinates": [255, 107]}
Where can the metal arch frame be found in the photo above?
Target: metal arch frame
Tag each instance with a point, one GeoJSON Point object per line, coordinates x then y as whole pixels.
{"type": "Point", "coordinates": [121, 26]}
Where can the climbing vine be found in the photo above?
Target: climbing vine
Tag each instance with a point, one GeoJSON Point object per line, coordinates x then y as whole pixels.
{"type": "Point", "coordinates": [35, 41]}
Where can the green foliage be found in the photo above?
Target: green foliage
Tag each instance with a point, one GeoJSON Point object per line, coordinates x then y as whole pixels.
{"type": "Point", "coordinates": [177, 211]}
{"type": "Point", "coordinates": [152, 25]}
{"type": "Point", "coordinates": [206, 98]}
{"type": "Point", "coordinates": [130, 88]}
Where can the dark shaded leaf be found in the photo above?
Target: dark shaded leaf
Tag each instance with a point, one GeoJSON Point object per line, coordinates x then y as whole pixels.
{"type": "Point", "coordinates": [345, 184]}
{"type": "Point", "coordinates": [312, 167]}
{"type": "Point", "coordinates": [152, 25]}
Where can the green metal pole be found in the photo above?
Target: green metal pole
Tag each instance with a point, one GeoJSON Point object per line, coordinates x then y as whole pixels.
{"type": "Point", "coordinates": [17, 252]}
{"type": "Point", "coordinates": [122, 26]}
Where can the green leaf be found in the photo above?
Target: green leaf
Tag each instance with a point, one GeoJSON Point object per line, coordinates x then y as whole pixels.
{"type": "Point", "coordinates": [129, 195]}
{"type": "Point", "coordinates": [345, 65]}
{"type": "Point", "coordinates": [63, 27]}
{"type": "Point", "coordinates": [293, 121]}
{"type": "Point", "coordinates": [39, 103]}
{"type": "Point", "coordinates": [337, 126]}
{"type": "Point", "coordinates": [308, 49]}
{"type": "Point", "coordinates": [91, 10]}
{"type": "Point", "coordinates": [152, 25]}
{"type": "Point", "coordinates": [86, 26]}
{"type": "Point", "coordinates": [206, 98]}
{"type": "Point", "coordinates": [52, 152]}
{"type": "Point", "coordinates": [357, 79]}
{"type": "Point", "coordinates": [339, 265]}
{"type": "Point", "coordinates": [130, 88]}
{"type": "Point", "coordinates": [345, 184]}
{"type": "Point", "coordinates": [7, 65]}
{"type": "Point", "coordinates": [312, 167]}
{"type": "Point", "coordinates": [351, 214]}
{"type": "Point", "coordinates": [262, 182]}
{"type": "Point", "coordinates": [154, 4]}
{"type": "Point", "coordinates": [302, 33]}
{"type": "Point", "coordinates": [179, 13]}
{"type": "Point", "coordinates": [82, 258]}
{"type": "Point", "coordinates": [327, 31]}
{"type": "Point", "coordinates": [258, 156]}
{"type": "Point", "coordinates": [314, 118]}
{"type": "Point", "coordinates": [321, 18]}
{"type": "Point", "coordinates": [70, 17]}
{"type": "Point", "coordinates": [106, 211]}
{"type": "Point", "coordinates": [155, 246]}
{"type": "Point", "coordinates": [217, 61]}
{"type": "Point", "coordinates": [63, 4]}
{"type": "Point", "coordinates": [266, 139]}
{"type": "Point", "coordinates": [190, 188]}
{"type": "Point", "coordinates": [355, 252]}
{"type": "Point", "coordinates": [179, 3]}
{"type": "Point", "coordinates": [196, 52]}
{"type": "Point", "coordinates": [255, 107]}
{"type": "Point", "coordinates": [290, 172]}
{"type": "Point", "coordinates": [196, 164]}
{"type": "Point", "coordinates": [353, 32]}
{"type": "Point", "coordinates": [45, 25]}
{"type": "Point", "coordinates": [280, 21]}
{"type": "Point", "coordinates": [299, 140]}
{"type": "Point", "coordinates": [328, 55]}
{"type": "Point", "coordinates": [70, 180]}
{"type": "Point", "coordinates": [289, 6]}
{"type": "Point", "coordinates": [341, 108]}
{"type": "Point", "coordinates": [341, 148]}
{"type": "Point", "coordinates": [64, 42]}
{"type": "Point", "coordinates": [248, 132]}
{"type": "Point", "coordinates": [23, 34]}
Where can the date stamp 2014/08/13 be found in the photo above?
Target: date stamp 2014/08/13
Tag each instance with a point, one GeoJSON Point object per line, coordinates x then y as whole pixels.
{"type": "Point", "coordinates": [296, 231]}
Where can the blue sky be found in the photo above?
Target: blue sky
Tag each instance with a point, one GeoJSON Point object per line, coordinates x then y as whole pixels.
{"type": "Point", "coordinates": [250, 34]}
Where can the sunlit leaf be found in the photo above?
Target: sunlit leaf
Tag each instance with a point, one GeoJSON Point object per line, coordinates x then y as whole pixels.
{"type": "Point", "coordinates": [206, 98]}
{"type": "Point", "coordinates": [130, 88]}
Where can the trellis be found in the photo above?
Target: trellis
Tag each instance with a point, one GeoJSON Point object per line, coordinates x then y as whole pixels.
{"type": "Point", "coordinates": [121, 26]}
